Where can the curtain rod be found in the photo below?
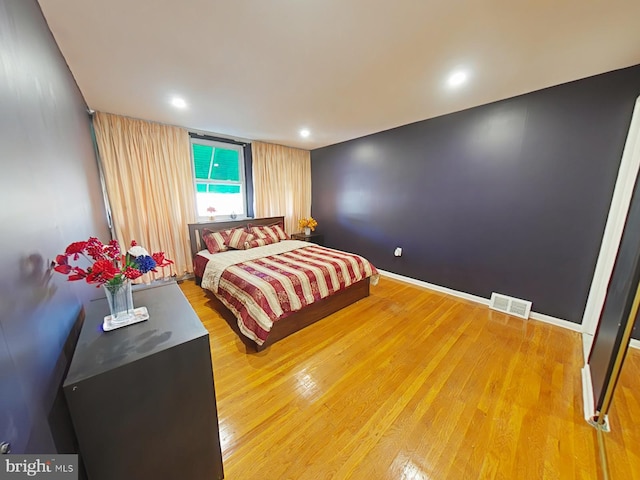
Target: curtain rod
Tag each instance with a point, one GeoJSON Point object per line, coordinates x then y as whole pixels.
{"type": "Point", "coordinates": [217, 139]}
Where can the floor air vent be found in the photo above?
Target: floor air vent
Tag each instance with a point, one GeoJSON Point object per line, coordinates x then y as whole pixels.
{"type": "Point", "coordinates": [510, 305]}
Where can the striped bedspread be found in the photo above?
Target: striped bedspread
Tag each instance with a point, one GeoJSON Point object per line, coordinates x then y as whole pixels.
{"type": "Point", "coordinates": [260, 291]}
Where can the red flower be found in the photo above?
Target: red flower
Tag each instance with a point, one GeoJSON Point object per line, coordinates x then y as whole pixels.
{"type": "Point", "coordinates": [75, 249]}
{"type": "Point", "coordinates": [132, 273]}
{"type": "Point", "coordinates": [101, 272]}
{"type": "Point", "coordinates": [107, 264]}
{"type": "Point", "coordinates": [112, 250]}
{"type": "Point", "coordinates": [62, 264]}
{"type": "Point", "coordinates": [78, 275]}
{"type": "Point", "coordinates": [66, 269]}
{"type": "Point", "coordinates": [160, 260]}
{"type": "Point", "coordinates": [95, 248]}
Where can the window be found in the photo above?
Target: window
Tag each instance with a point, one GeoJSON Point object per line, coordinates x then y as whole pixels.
{"type": "Point", "coordinates": [218, 172]}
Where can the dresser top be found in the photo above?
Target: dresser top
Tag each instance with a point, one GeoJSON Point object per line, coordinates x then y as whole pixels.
{"type": "Point", "coordinates": [171, 322]}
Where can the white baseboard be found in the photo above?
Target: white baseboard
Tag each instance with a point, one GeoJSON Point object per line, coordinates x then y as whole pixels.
{"type": "Point", "coordinates": [633, 343]}
{"type": "Point", "coordinates": [437, 288]}
{"type": "Point", "coordinates": [587, 343]}
{"type": "Point", "coordinates": [541, 317]}
{"type": "Point", "coordinates": [588, 401]}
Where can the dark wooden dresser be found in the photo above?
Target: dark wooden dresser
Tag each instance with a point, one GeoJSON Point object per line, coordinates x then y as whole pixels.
{"type": "Point", "coordinates": [142, 397]}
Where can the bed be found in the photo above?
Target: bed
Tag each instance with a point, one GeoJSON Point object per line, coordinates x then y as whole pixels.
{"type": "Point", "coordinates": [225, 278]}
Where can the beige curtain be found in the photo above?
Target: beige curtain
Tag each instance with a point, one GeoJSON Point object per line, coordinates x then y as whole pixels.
{"type": "Point", "coordinates": [147, 169]}
{"type": "Point", "coordinates": [282, 183]}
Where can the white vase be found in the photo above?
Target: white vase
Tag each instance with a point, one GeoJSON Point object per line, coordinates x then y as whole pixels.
{"type": "Point", "coordinates": [307, 231]}
{"type": "Point", "coordinates": [120, 302]}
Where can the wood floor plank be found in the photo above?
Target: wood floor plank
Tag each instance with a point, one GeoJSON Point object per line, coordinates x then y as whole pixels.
{"type": "Point", "coordinates": [413, 384]}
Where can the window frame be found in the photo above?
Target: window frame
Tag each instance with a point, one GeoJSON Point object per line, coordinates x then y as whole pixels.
{"type": "Point", "coordinates": [241, 169]}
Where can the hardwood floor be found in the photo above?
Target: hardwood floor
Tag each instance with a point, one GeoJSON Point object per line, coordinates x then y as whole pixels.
{"type": "Point", "coordinates": [410, 384]}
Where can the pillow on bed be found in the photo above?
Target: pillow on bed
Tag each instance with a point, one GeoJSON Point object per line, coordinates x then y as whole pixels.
{"type": "Point", "coordinates": [263, 232]}
{"type": "Point", "coordinates": [259, 242]}
{"type": "Point", "coordinates": [238, 237]}
{"type": "Point", "coordinates": [215, 241]}
{"type": "Point", "coordinates": [279, 229]}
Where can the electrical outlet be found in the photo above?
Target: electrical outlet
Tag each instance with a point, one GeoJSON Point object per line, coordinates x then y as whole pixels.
{"type": "Point", "coordinates": [398, 252]}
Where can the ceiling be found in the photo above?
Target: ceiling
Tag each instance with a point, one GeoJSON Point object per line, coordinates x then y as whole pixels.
{"type": "Point", "coordinates": [262, 70]}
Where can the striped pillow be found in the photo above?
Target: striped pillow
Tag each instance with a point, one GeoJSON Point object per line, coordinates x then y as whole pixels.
{"type": "Point", "coordinates": [215, 241]}
{"type": "Point", "coordinates": [238, 237]}
{"type": "Point", "coordinates": [282, 235]}
{"type": "Point", "coordinates": [265, 232]}
{"type": "Point", "coordinates": [258, 242]}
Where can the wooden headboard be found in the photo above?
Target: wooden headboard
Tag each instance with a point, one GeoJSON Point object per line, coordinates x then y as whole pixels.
{"type": "Point", "coordinates": [195, 229]}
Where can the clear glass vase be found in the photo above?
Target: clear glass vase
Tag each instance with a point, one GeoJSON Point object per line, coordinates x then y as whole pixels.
{"type": "Point", "coordinates": [120, 302]}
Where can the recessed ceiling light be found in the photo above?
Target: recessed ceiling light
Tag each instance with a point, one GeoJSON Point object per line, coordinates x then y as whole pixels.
{"type": "Point", "coordinates": [304, 133]}
{"type": "Point", "coordinates": [178, 102]}
{"type": "Point", "coordinates": [457, 78]}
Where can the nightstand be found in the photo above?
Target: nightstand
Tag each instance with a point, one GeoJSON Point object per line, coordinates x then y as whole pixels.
{"type": "Point", "coordinates": [316, 238]}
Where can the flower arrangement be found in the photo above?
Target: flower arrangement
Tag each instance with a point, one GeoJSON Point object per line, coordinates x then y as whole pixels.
{"type": "Point", "coordinates": [307, 222]}
{"type": "Point", "coordinates": [108, 266]}
{"type": "Point", "coordinates": [211, 211]}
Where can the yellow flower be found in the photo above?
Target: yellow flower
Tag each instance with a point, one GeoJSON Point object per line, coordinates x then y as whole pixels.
{"type": "Point", "coordinates": [307, 223]}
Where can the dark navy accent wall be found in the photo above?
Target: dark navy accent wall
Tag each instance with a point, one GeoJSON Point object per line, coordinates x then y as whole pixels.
{"type": "Point", "coordinates": [510, 197]}
{"type": "Point", "coordinates": [50, 196]}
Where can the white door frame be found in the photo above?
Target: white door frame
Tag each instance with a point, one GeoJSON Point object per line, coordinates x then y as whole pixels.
{"type": "Point", "coordinates": [629, 166]}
